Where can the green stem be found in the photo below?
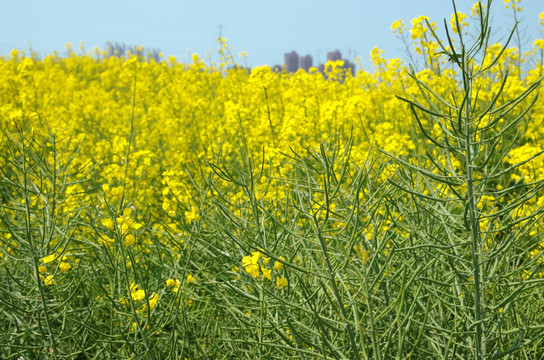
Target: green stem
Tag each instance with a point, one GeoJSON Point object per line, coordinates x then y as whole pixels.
{"type": "Point", "coordinates": [35, 255]}
{"type": "Point", "coordinates": [471, 203]}
{"type": "Point", "coordinates": [131, 134]}
{"type": "Point", "coordinates": [270, 119]}
{"type": "Point", "coordinates": [330, 270]}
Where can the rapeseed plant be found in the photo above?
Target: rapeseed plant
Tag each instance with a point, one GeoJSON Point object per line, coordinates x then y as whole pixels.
{"type": "Point", "coordinates": [200, 210]}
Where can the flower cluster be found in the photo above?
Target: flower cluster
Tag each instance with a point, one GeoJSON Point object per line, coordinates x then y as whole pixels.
{"type": "Point", "coordinates": [62, 265]}
{"type": "Point", "coordinates": [175, 284]}
{"type": "Point", "coordinates": [256, 265]}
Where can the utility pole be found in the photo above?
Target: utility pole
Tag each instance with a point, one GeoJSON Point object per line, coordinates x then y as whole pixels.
{"type": "Point", "coordinates": [221, 30]}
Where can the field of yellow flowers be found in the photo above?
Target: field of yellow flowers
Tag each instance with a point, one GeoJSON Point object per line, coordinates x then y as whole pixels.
{"type": "Point", "coordinates": [168, 210]}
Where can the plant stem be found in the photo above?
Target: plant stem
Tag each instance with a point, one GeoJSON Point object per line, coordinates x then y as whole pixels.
{"type": "Point", "coordinates": [471, 203]}
{"type": "Point", "coordinates": [34, 250]}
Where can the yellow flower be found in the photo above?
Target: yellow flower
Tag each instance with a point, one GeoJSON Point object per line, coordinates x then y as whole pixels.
{"type": "Point", "coordinates": [255, 256]}
{"type": "Point", "coordinates": [475, 10]}
{"type": "Point", "coordinates": [538, 43]}
{"type": "Point", "coordinates": [398, 27]}
{"type": "Point", "coordinates": [174, 284]}
{"type": "Point", "coordinates": [247, 260]}
{"type": "Point", "coordinates": [278, 265]}
{"type": "Point", "coordinates": [42, 269]}
{"type": "Point", "coordinates": [281, 282]}
{"type": "Point", "coordinates": [107, 223]}
{"type": "Point", "coordinates": [419, 27]}
{"type": "Point", "coordinates": [138, 294]}
{"type": "Point", "coordinates": [253, 270]}
{"type": "Point", "coordinates": [153, 299]}
{"type": "Point", "coordinates": [266, 273]}
{"type": "Point", "coordinates": [363, 253]}
{"type": "Point", "coordinates": [16, 115]}
{"type": "Point", "coordinates": [64, 266]}
{"type": "Point", "coordinates": [117, 192]}
{"type": "Point", "coordinates": [48, 280]}
{"type": "Point", "coordinates": [190, 279]}
{"type": "Point", "coordinates": [105, 240]}
{"type": "Point", "coordinates": [106, 189]}
{"type": "Point", "coordinates": [129, 240]}
{"type": "Point", "coordinates": [192, 215]}
{"type": "Point", "coordinates": [459, 18]}
{"type": "Point", "coordinates": [135, 293]}
{"type": "Point", "coordinates": [47, 259]}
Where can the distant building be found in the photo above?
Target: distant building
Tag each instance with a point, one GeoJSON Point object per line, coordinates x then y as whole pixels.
{"type": "Point", "coordinates": [349, 65]}
{"type": "Point", "coordinates": [277, 68]}
{"type": "Point", "coordinates": [291, 61]}
{"type": "Point", "coordinates": [306, 62]}
{"type": "Point", "coordinates": [334, 55]}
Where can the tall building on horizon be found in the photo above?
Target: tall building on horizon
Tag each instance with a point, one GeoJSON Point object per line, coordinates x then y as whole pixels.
{"type": "Point", "coordinates": [306, 62]}
{"type": "Point", "coordinates": [334, 55]}
{"type": "Point", "coordinates": [277, 68]}
{"type": "Point", "coordinates": [291, 61]}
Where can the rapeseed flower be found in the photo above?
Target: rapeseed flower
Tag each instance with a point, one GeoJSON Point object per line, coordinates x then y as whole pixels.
{"type": "Point", "coordinates": [64, 266]}
{"type": "Point", "coordinates": [192, 215]}
{"type": "Point", "coordinates": [135, 293]}
{"type": "Point", "coordinates": [190, 279]}
{"type": "Point", "coordinates": [105, 240]}
{"type": "Point", "coordinates": [398, 27]}
{"type": "Point", "coordinates": [106, 189]}
{"type": "Point", "coordinates": [174, 284]}
{"type": "Point", "coordinates": [49, 258]}
{"type": "Point", "coordinates": [108, 223]}
{"type": "Point", "coordinates": [458, 17]}
{"type": "Point", "coordinates": [281, 283]}
{"type": "Point", "coordinates": [279, 265]}
{"type": "Point", "coordinates": [117, 192]}
{"type": "Point", "coordinates": [253, 270]}
{"type": "Point", "coordinates": [152, 301]}
{"type": "Point", "coordinates": [48, 280]}
{"type": "Point", "coordinates": [266, 273]}
{"type": "Point", "coordinates": [130, 239]}
{"type": "Point", "coordinates": [248, 260]}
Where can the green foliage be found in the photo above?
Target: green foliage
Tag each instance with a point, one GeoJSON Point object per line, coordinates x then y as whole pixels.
{"type": "Point", "coordinates": [423, 246]}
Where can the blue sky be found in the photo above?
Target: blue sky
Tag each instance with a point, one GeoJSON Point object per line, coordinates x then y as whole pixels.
{"type": "Point", "coordinates": [264, 29]}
